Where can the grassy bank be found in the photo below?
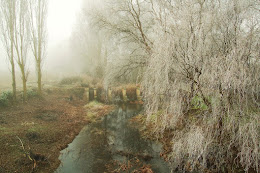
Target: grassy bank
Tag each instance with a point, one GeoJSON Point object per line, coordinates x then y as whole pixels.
{"type": "Point", "coordinates": [32, 134]}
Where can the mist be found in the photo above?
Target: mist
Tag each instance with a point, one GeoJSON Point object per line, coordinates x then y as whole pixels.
{"type": "Point", "coordinates": [61, 21]}
{"type": "Point", "coordinates": [130, 86]}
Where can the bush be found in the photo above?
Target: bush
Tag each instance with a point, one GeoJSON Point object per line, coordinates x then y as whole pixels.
{"type": "Point", "coordinates": [32, 93]}
{"type": "Point", "coordinates": [94, 81]}
{"type": "Point", "coordinates": [5, 98]}
{"type": "Point", "coordinates": [77, 92]}
{"type": "Point", "coordinates": [71, 80]}
{"type": "Point", "coordinates": [85, 85]}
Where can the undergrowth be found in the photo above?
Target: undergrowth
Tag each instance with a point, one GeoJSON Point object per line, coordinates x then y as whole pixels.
{"type": "Point", "coordinates": [5, 98]}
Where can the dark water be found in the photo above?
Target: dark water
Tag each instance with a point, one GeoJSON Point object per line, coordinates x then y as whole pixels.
{"type": "Point", "coordinates": [98, 145]}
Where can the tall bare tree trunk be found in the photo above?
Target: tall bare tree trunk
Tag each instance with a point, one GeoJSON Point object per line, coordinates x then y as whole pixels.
{"type": "Point", "coordinates": [13, 75]}
{"type": "Point", "coordinates": [24, 79]}
{"type": "Point", "coordinates": [22, 41]}
{"type": "Point", "coordinates": [13, 82]}
{"type": "Point", "coordinates": [12, 53]}
{"type": "Point", "coordinates": [38, 15]}
{"type": "Point", "coordinates": [39, 76]}
{"type": "Point", "coordinates": [39, 58]}
{"type": "Point", "coordinates": [7, 10]}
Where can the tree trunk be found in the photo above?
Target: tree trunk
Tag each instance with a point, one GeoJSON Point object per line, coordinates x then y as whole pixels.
{"type": "Point", "coordinates": [13, 73]}
{"type": "Point", "coordinates": [39, 74]}
{"type": "Point", "coordinates": [13, 81]}
{"type": "Point", "coordinates": [24, 84]}
{"type": "Point", "coordinates": [39, 58]}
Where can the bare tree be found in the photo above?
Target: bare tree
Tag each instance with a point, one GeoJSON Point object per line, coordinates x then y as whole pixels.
{"type": "Point", "coordinates": [128, 24]}
{"type": "Point", "coordinates": [22, 40]}
{"type": "Point", "coordinates": [7, 28]}
{"type": "Point", "coordinates": [195, 54]}
{"type": "Point", "coordinates": [88, 46]}
{"type": "Point", "coordinates": [207, 52]}
{"type": "Point", "coordinates": [38, 16]}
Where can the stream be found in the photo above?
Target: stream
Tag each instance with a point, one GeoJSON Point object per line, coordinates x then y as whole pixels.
{"type": "Point", "coordinates": [104, 145]}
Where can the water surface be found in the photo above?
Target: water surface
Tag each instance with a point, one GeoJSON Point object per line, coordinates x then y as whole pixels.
{"type": "Point", "coordinates": [111, 139]}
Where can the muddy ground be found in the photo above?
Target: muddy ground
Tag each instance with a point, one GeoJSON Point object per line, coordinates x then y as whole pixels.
{"type": "Point", "coordinates": [32, 134]}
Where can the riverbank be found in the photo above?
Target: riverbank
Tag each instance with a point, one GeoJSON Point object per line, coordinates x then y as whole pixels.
{"type": "Point", "coordinates": [111, 145]}
{"type": "Point", "coordinates": [149, 131]}
{"type": "Point", "coordinates": [32, 134]}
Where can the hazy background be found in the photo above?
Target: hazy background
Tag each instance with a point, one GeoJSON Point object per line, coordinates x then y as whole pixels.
{"type": "Point", "coordinates": [62, 16]}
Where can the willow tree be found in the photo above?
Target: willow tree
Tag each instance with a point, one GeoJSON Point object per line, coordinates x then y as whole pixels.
{"type": "Point", "coordinates": [38, 17]}
{"type": "Point", "coordinates": [7, 28]}
{"type": "Point", "coordinates": [200, 55]}
{"type": "Point", "coordinates": [206, 58]}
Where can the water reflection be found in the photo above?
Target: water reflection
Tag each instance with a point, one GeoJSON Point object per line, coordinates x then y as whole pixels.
{"type": "Point", "coordinates": [100, 143]}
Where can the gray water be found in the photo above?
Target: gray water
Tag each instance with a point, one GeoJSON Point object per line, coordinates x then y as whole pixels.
{"type": "Point", "coordinates": [111, 139]}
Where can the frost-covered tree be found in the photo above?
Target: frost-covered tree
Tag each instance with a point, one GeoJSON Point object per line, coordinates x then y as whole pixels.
{"type": "Point", "coordinates": [128, 27]}
{"type": "Point", "coordinates": [89, 47]}
{"type": "Point", "coordinates": [207, 56]}
{"type": "Point", "coordinates": [200, 74]}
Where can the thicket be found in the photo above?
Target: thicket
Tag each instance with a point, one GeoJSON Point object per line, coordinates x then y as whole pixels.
{"type": "Point", "coordinates": [71, 80]}
{"type": "Point", "coordinates": [193, 54]}
{"type": "Point", "coordinates": [207, 58]}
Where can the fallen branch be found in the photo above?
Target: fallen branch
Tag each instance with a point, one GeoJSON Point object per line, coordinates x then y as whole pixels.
{"type": "Point", "coordinates": [27, 154]}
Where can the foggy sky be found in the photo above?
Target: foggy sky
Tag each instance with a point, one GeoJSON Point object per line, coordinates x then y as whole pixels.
{"type": "Point", "coordinates": [62, 15]}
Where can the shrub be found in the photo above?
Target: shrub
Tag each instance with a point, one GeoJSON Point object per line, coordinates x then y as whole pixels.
{"type": "Point", "coordinates": [85, 85]}
{"type": "Point", "coordinates": [5, 98]}
{"type": "Point", "coordinates": [71, 80]}
{"type": "Point", "coordinates": [77, 92]}
{"type": "Point", "coordinates": [94, 81]}
{"type": "Point", "coordinates": [32, 93]}
{"type": "Point", "coordinates": [47, 116]}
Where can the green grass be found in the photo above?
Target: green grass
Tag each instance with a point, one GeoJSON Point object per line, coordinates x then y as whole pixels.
{"type": "Point", "coordinates": [93, 104]}
{"type": "Point", "coordinates": [32, 93]}
{"type": "Point", "coordinates": [4, 130]}
{"type": "Point", "coordinates": [198, 103]}
{"type": "Point", "coordinates": [154, 116]}
{"type": "Point", "coordinates": [92, 110]}
{"type": "Point", "coordinates": [37, 128]}
{"type": "Point", "coordinates": [95, 110]}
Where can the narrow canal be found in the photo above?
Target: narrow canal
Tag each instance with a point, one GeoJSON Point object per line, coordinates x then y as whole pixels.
{"type": "Point", "coordinates": [106, 144]}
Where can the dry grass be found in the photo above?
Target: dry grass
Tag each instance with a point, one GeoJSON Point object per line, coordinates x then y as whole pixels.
{"type": "Point", "coordinates": [45, 125]}
{"type": "Point", "coordinates": [96, 110]}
